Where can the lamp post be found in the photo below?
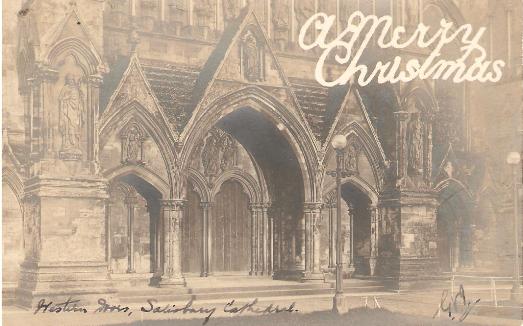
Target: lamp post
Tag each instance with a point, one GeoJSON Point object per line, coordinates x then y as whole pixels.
{"type": "Point", "coordinates": [339, 142]}
{"type": "Point", "coordinates": [513, 159]}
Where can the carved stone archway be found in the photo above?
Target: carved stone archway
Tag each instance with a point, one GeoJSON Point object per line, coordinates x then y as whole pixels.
{"type": "Point", "coordinates": [297, 134]}
{"type": "Point", "coordinates": [254, 103]}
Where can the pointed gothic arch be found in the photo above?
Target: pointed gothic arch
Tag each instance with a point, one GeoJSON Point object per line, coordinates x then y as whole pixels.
{"type": "Point", "coordinates": [298, 136]}
{"type": "Point", "coordinates": [199, 184]}
{"type": "Point", "coordinates": [135, 113]}
{"type": "Point", "coordinates": [85, 55]}
{"type": "Point", "coordinates": [142, 172]}
{"type": "Point", "coordinates": [370, 148]}
{"type": "Point", "coordinates": [249, 184]}
{"type": "Point", "coordinates": [356, 181]}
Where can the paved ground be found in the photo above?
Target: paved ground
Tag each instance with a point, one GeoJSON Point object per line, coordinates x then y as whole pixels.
{"type": "Point", "coordinates": [400, 309]}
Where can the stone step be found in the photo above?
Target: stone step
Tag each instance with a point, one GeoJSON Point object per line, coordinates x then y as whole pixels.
{"type": "Point", "coordinates": [208, 293]}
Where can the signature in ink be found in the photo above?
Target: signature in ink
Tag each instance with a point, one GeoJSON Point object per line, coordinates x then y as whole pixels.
{"type": "Point", "coordinates": [452, 305]}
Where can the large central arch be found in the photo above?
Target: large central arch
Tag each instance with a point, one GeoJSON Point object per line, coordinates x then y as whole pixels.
{"type": "Point", "coordinates": [295, 131]}
{"type": "Point", "coordinates": [283, 151]}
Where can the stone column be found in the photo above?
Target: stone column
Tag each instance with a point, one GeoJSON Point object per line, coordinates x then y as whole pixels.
{"type": "Point", "coordinates": [350, 241]}
{"type": "Point", "coordinates": [316, 220]}
{"type": "Point", "coordinates": [172, 265]}
{"type": "Point", "coordinates": [427, 160]}
{"type": "Point", "coordinates": [312, 216]}
{"type": "Point", "coordinates": [307, 216]}
{"type": "Point", "coordinates": [270, 239]}
{"type": "Point", "coordinates": [95, 81]}
{"type": "Point", "coordinates": [401, 143]}
{"type": "Point", "coordinates": [300, 262]}
{"type": "Point", "coordinates": [162, 10]}
{"type": "Point", "coordinates": [374, 231]}
{"type": "Point", "coordinates": [158, 238]}
{"type": "Point", "coordinates": [277, 264]}
{"type": "Point", "coordinates": [254, 239]}
{"type": "Point", "coordinates": [190, 7]}
{"type": "Point", "coordinates": [131, 202]}
{"type": "Point", "coordinates": [263, 242]}
{"type": "Point", "coordinates": [206, 207]}
{"type": "Point", "coordinates": [108, 244]}
{"type": "Point", "coordinates": [132, 7]}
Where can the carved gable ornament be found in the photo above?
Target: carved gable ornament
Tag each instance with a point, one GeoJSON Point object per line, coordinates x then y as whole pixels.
{"type": "Point", "coordinates": [252, 57]}
{"type": "Point", "coordinates": [132, 138]}
{"type": "Point", "coordinates": [134, 88]}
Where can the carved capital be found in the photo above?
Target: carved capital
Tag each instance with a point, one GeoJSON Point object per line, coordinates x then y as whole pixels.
{"type": "Point", "coordinates": [206, 205]}
{"type": "Point", "coordinates": [255, 206]}
{"type": "Point", "coordinates": [173, 204]}
{"type": "Point", "coordinates": [95, 80]}
{"type": "Point", "coordinates": [350, 208]}
{"type": "Point", "coordinates": [401, 115]}
{"type": "Point", "coordinates": [312, 207]}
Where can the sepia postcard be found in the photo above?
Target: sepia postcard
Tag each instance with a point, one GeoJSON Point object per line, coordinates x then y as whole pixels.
{"type": "Point", "coordinates": [262, 162]}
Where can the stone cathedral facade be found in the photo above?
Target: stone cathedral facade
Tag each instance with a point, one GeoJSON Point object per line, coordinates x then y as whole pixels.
{"type": "Point", "coordinates": [152, 140]}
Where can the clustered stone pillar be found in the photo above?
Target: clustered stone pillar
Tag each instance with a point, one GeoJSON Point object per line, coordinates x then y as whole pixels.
{"type": "Point", "coordinates": [172, 265]}
{"type": "Point", "coordinates": [259, 239]}
{"type": "Point", "coordinates": [130, 202]}
{"type": "Point", "coordinates": [348, 249]}
{"type": "Point", "coordinates": [299, 242]}
{"type": "Point", "coordinates": [312, 217]}
{"type": "Point", "coordinates": [316, 219]}
{"type": "Point", "coordinates": [277, 225]}
{"type": "Point", "coordinates": [374, 234]}
{"type": "Point", "coordinates": [264, 232]}
{"type": "Point", "coordinates": [254, 246]}
{"type": "Point", "coordinates": [401, 142]}
{"type": "Point", "coordinates": [427, 161]}
{"type": "Point", "coordinates": [108, 232]}
{"type": "Point", "coordinates": [206, 208]}
{"type": "Point", "coordinates": [270, 255]}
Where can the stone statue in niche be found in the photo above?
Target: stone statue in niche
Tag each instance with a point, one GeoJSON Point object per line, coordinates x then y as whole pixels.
{"type": "Point", "coordinates": [415, 144]}
{"type": "Point", "coordinates": [449, 169]}
{"type": "Point", "coordinates": [228, 152]}
{"type": "Point", "coordinates": [411, 13]}
{"type": "Point", "coordinates": [71, 117]}
{"type": "Point", "coordinates": [351, 158]}
{"type": "Point", "coordinates": [177, 14]}
{"type": "Point", "coordinates": [231, 10]}
{"type": "Point", "coordinates": [280, 21]}
{"type": "Point", "coordinates": [251, 61]}
{"type": "Point", "coordinates": [346, 8]}
{"type": "Point", "coordinates": [303, 10]}
{"type": "Point", "coordinates": [132, 144]}
{"type": "Point", "coordinates": [210, 155]}
{"type": "Point", "coordinates": [203, 10]}
{"type": "Point", "coordinates": [218, 153]}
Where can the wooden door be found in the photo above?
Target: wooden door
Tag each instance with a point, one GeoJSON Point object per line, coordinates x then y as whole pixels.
{"type": "Point", "coordinates": [230, 229]}
{"type": "Point", "coordinates": [192, 235]}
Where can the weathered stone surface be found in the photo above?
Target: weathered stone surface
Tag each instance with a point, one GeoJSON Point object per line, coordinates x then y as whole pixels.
{"type": "Point", "coordinates": [132, 124]}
